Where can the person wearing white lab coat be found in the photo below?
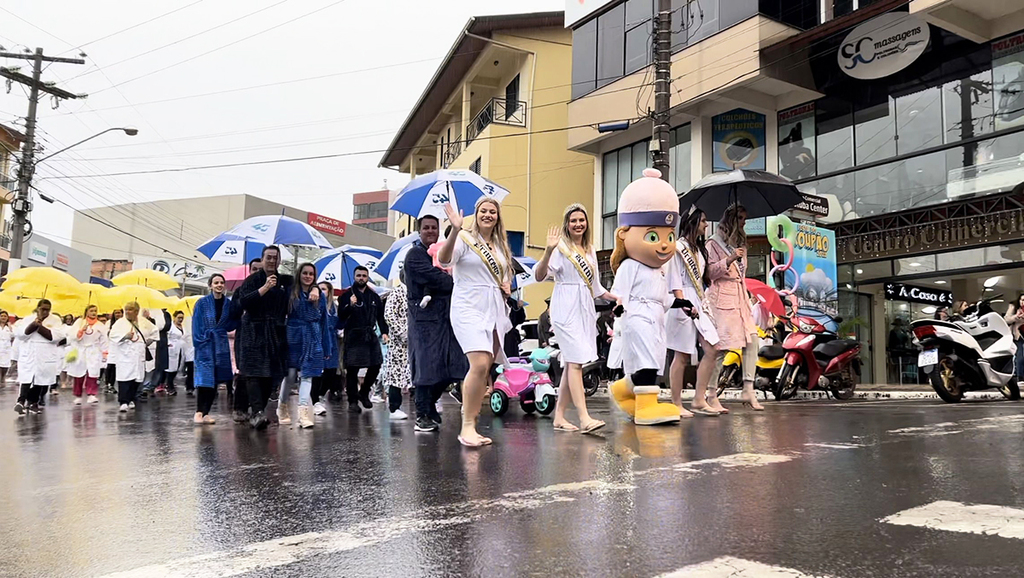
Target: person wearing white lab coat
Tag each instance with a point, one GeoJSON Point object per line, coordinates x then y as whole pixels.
{"type": "Point", "coordinates": [38, 366]}
{"type": "Point", "coordinates": [175, 351]}
{"type": "Point", "coordinates": [88, 337]}
{"type": "Point", "coordinates": [129, 338]}
{"type": "Point", "coordinates": [6, 346]}
{"type": "Point", "coordinates": [481, 259]}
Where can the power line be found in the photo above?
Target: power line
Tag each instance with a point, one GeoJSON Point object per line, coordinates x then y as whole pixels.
{"type": "Point", "coordinates": [134, 26]}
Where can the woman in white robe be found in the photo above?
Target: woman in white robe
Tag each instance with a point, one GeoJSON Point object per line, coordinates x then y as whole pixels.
{"type": "Point", "coordinates": [88, 337]}
{"type": "Point", "coordinates": [129, 338]}
{"type": "Point", "coordinates": [6, 346]}
{"type": "Point", "coordinates": [38, 367]}
{"type": "Point", "coordinates": [175, 352]}
{"type": "Point", "coordinates": [480, 257]}
{"type": "Point", "coordinates": [570, 259]}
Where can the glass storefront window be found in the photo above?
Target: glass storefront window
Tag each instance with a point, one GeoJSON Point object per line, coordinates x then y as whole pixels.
{"type": "Point", "coordinates": [608, 226]}
{"type": "Point", "coordinates": [969, 98]}
{"type": "Point", "coordinates": [834, 120]}
{"type": "Point", "coordinates": [610, 47]}
{"type": "Point", "coordinates": [916, 265]}
{"type": "Point", "coordinates": [679, 159]}
{"type": "Point", "coordinates": [872, 271]}
{"type": "Point", "coordinates": [875, 132]}
{"type": "Point", "coordinates": [919, 121]}
{"type": "Point", "coordinates": [609, 184]}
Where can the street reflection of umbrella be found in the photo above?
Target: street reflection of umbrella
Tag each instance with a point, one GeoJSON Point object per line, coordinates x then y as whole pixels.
{"type": "Point", "coordinates": [232, 248]}
{"type": "Point", "coordinates": [146, 278]}
{"type": "Point", "coordinates": [767, 296]}
{"type": "Point", "coordinates": [761, 193]}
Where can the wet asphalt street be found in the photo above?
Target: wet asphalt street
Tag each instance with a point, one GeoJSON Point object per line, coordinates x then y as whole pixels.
{"type": "Point", "coordinates": [843, 489]}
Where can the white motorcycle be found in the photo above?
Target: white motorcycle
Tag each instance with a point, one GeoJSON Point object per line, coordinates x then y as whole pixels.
{"type": "Point", "coordinates": [975, 352]}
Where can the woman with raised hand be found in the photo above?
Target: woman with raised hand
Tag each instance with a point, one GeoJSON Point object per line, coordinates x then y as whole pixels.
{"type": "Point", "coordinates": [306, 311]}
{"type": "Point", "coordinates": [570, 259]}
{"type": "Point", "coordinates": [38, 366]}
{"type": "Point", "coordinates": [481, 260]}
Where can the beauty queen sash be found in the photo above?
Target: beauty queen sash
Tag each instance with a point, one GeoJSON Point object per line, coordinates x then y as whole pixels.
{"type": "Point", "coordinates": [580, 262]}
{"type": "Point", "coordinates": [693, 270]}
{"type": "Point", "coordinates": [485, 254]}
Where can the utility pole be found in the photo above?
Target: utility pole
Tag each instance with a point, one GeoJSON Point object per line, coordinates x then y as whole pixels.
{"type": "Point", "coordinates": [22, 204]}
{"type": "Point", "coordinates": [662, 86]}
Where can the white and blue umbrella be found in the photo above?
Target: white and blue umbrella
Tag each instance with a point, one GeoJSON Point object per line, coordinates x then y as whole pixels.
{"type": "Point", "coordinates": [524, 275]}
{"type": "Point", "coordinates": [230, 248]}
{"type": "Point", "coordinates": [338, 267]}
{"type": "Point", "coordinates": [426, 195]}
{"type": "Point", "coordinates": [280, 230]}
{"type": "Point", "coordinates": [392, 262]}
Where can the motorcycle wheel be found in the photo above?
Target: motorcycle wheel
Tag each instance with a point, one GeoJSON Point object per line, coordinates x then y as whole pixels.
{"type": "Point", "coordinates": [728, 378]}
{"type": "Point", "coordinates": [846, 386]}
{"type": "Point", "coordinates": [591, 381]}
{"type": "Point", "coordinates": [945, 382]}
{"type": "Point", "coordinates": [785, 386]}
{"type": "Point", "coordinates": [1011, 390]}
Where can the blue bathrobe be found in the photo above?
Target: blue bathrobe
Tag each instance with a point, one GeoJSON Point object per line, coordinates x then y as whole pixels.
{"type": "Point", "coordinates": [210, 339]}
{"type": "Point", "coordinates": [331, 352]}
{"type": "Point", "coordinates": [306, 335]}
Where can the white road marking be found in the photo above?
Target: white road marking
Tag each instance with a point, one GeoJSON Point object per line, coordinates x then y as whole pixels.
{"type": "Point", "coordinates": [744, 460]}
{"type": "Point", "coordinates": [729, 567]}
{"type": "Point", "coordinates": [292, 549]}
{"type": "Point", "coordinates": [970, 519]}
{"type": "Point", "coordinates": [836, 446]}
{"type": "Point", "coordinates": [1001, 422]}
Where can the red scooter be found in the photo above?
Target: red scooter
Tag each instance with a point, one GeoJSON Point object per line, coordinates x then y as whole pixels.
{"type": "Point", "coordinates": [816, 357]}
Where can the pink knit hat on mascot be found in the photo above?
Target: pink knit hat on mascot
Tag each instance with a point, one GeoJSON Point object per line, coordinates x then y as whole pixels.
{"type": "Point", "coordinates": [649, 202]}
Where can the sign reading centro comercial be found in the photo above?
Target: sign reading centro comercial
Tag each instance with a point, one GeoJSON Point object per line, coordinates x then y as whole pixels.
{"type": "Point", "coordinates": [901, 292]}
{"type": "Point", "coordinates": [326, 224]}
{"type": "Point", "coordinates": [883, 45]}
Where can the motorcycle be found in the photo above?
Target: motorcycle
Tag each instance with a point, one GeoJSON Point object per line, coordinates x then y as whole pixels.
{"type": "Point", "coordinates": [970, 353]}
{"type": "Point", "coordinates": [591, 371]}
{"type": "Point", "coordinates": [770, 358]}
{"type": "Point", "coordinates": [816, 357]}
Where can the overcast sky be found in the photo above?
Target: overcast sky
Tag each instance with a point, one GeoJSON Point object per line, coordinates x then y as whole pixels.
{"type": "Point", "coordinates": [379, 55]}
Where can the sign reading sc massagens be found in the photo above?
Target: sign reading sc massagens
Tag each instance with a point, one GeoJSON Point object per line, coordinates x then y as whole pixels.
{"type": "Point", "coordinates": [738, 140]}
{"type": "Point", "coordinates": [883, 45]}
{"type": "Point", "coordinates": [326, 224]}
{"type": "Point", "coordinates": [901, 292]}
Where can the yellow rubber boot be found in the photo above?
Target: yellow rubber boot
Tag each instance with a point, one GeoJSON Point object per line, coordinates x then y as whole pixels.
{"type": "Point", "coordinates": [649, 411]}
{"type": "Point", "coordinates": [622, 393]}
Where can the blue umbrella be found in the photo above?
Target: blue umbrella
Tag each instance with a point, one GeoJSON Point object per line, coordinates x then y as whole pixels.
{"type": "Point", "coordinates": [231, 248]}
{"type": "Point", "coordinates": [338, 267]}
{"type": "Point", "coordinates": [524, 275]}
{"type": "Point", "coordinates": [426, 195]}
{"type": "Point", "coordinates": [280, 230]}
{"type": "Point", "coordinates": [391, 263]}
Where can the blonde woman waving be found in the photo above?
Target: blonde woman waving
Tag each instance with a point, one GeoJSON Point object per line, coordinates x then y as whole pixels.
{"type": "Point", "coordinates": [480, 257]}
{"type": "Point", "coordinates": [570, 259]}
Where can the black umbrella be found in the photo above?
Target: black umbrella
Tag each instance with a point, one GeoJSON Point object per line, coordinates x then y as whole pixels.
{"type": "Point", "coordinates": [761, 193]}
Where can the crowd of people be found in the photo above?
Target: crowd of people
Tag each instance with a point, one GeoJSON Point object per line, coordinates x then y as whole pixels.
{"type": "Point", "coordinates": [444, 327]}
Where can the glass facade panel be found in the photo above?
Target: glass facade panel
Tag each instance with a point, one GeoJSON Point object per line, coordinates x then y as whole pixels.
{"type": "Point", "coordinates": [584, 59]}
{"type": "Point", "coordinates": [834, 120]}
{"type": "Point", "coordinates": [878, 270]}
{"type": "Point", "coordinates": [638, 46]}
{"type": "Point", "coordinates": [971, 99]}
{"type": "Point", "coordinates": [625, 167]}
{"type": "Point", "coordinates": [610, 46]}
{"type": "Point", "coordinates": [918, 121]}
{"type": "Point", "coordinates": [608, 226]}
{"type": "Point", "coordinates": [641, 160]}
{"type": "Point", "coordinates": [609, 183]}
{"type": "Point", "coordinates": [679, 159]}
{"type": "Point", "coordinates": [875, 132]}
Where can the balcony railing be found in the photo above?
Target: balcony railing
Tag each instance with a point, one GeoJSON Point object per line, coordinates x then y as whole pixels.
{"type": "Point", "coordinates": [451, 152]}
{"type": "Point", "coordinates": [500, 111]}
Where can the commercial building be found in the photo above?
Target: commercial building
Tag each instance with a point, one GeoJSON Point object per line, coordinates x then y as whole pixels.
{"type": "Point", "coordinates": [10, 144]}
{"type": "Point", "coordinates": [904, 116]}
{"type": "Point", "coordinates": [370, 211]}
{"type": "Point", "coordinates": [497, 106]}
{"type": "Point", "coordinates": [163, 235]}
{"type": "Point", "coordinates": [40, 251]}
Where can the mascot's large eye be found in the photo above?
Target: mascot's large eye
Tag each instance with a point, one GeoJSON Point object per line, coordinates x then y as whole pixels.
{"type": "Point", "coordinates": [671, 238]}
{"type": "Point", "coordinates": [652, 237]}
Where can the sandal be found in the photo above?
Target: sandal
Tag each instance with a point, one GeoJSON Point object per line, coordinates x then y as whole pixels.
{"type": "Point", "coordinates": [593, 426]}
{"type": "Point", "coordinates": [706, 410]}
{"type": "Point", "coordinates": [568, 427]}
{"type": "Point", "coordinates": [483, 442]}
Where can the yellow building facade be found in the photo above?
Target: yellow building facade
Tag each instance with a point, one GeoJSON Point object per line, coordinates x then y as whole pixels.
{"type": "Point", "coordinates": [497, 106]}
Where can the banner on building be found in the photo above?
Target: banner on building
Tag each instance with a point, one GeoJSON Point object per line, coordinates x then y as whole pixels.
{"type": "Point", "coordinates": [1008, 80]}
{"type": "Point", "coordinates": [739, 139]}
{"type": "Point", "coordinates": [883, 45]}
{"type": "Point", "coordinates": [326, 224]}
{"type": "Point", "coordinates": [814, 261]}
{"type": "Point", "coordinates": [797, 142]}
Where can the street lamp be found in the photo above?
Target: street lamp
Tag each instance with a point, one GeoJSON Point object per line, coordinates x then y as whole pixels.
{"type": "Point", "coordinates": [22, 206]}
{"type": "Point", "coordinates": [125, 130]}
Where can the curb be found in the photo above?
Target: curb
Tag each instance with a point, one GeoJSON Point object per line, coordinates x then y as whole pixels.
{"type": "Point", "coordinates": [734, 395]}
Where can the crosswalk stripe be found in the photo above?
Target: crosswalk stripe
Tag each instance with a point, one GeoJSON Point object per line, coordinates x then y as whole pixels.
{"type": "Point", "coordinates": [729, 567]}
{"type": "Point", "coordinates": [966, 518]}
{"type": "Point", "coordinates": [741, 460]}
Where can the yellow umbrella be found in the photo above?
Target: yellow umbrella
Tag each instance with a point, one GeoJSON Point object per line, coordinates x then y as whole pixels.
{"type": "Point", "coordinates": [116, 297]}
{"type": "Point", "coordinates": [42, 276]}
{"type": "Point", "coordinates": [146, 278]}
{"type": "Point", "coordinates": [33, 290]}
{"type": "Point", "coordinates": [185, 304]}
{"type": "Point", "coordinates": [20, 307]}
